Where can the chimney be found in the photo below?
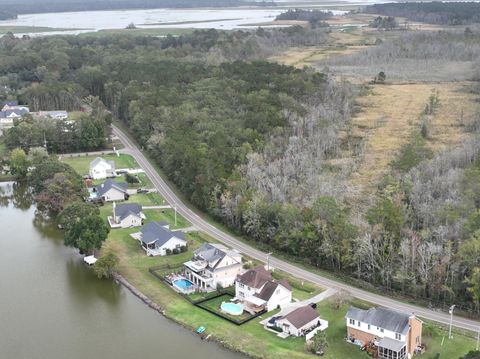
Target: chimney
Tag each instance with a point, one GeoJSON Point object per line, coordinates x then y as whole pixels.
{"type": "Point", "coordinates": [114, 215]}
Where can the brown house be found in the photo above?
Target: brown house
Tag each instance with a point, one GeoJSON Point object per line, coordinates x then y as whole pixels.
{"type": "Point", "coordinates": [396, 334]}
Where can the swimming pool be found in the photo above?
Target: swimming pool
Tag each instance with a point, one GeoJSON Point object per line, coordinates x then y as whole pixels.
{"type": "Point", "coordinates": [183, 284]}
{"type": "Point", "coordinates": [232, 308]}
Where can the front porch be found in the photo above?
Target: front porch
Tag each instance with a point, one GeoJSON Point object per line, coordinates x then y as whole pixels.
{"type": "Point", "coordinates": [202, 282]}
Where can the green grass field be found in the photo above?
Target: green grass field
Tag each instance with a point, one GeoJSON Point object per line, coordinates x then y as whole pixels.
{"type": "Point", "coordinates": [30, 29]}
{"type": "Point", "coordinates": [139, 32]}
{"type": "Point", "coordinates": [81, 164]}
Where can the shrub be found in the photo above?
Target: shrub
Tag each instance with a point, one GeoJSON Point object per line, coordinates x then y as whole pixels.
{"type": "Point", "coordinates": [168, 251]}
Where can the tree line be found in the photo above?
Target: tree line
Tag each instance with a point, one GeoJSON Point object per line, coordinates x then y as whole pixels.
{"type": "Point", "coordinates": [434, 12]}
{"type": "Point", "coordinates": [254, 144]}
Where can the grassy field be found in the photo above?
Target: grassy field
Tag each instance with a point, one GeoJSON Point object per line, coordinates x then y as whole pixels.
{"type": "Point", "coordinates": [30, 29]}
{"type": "Point", "coordinates": [139, 32]}
{"type": "Point", "coordinates": [81, 164]}
{"type": "Point", "coordinates": [301, 290]}
{"type": "Point", "coordinates": [3, 148]}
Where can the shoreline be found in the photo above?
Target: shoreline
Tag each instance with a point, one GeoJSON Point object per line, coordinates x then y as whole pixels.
{"type": "Point", "coordinates": [121, 280]}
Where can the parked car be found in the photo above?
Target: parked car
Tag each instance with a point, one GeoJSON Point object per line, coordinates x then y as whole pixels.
{"type": "Point", "coordinates": [272, 321]}
{"type": "Point", "coordinates": [142, 190]}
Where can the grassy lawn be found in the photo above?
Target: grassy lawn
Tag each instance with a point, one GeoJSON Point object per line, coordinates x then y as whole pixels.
{"type": "Point", "coordinates": [166, 215]}
{"type": "Point", "coordinates": [147, 199]}
{"type": "Point", "coordinates": [81, 164]}
{"type": "Point", "coordinates": [3, 147]}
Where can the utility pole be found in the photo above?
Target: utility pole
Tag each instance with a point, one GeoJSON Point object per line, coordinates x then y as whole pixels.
{"type": "Point", "coordinates": [268, 260]}
{"type": "Point", "coordinates": [175, 208]}
{"type": "Point", "coordinates": [450, 311]}
{"type": "Point", "coordinates": [478, 337]}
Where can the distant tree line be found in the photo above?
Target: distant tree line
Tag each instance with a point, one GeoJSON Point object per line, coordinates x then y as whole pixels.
{"type": "Point", "coordinates": [436, 12]}
{"type": "Point", "coordinates": [316, 18]}
{"type": "Point", "coordinates": [385, 23]}
{"type": "Point", "coordinates": [29, 6]}
{"type": "Point", "coordinates": [7, 15]}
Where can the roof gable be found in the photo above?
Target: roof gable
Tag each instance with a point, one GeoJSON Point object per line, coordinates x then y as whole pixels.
{"type": "Point", "coordinates": [302, 316]}
{"type": "Point", "coordinates": [111, 184]}
{"type": "Point", "coordinates": [158, 233]}
{"type": "Point", "coordinates": [389, 319]}
{"type": "Point", "coordinates": [255, 278]}
{"type": "Point", "coordinates": [122, 211]}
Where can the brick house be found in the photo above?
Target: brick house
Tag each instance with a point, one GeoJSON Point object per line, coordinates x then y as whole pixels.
{"type": "Point", "coordinates": [397, 335]}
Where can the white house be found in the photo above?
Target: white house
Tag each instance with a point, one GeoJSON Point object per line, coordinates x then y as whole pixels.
{"type": "Point", "coordinates": [157, 239]}
{"type": "Point", "coordinates": [213, 265]}
{"type": "Point", "coordinates": [101, 169]}
{"type": "Point", "coordinates": [126, 216]}
{"type": "Point", "coordinates": [54, 115]}
{"type": "Point", "coordinates": [110, 191]}
{"type": "Point", "coordinates": [396, 334]}
{"type": "Point", "coordinates": [299, 321]}
{"type": "Point", "coordinates": [258, 290]}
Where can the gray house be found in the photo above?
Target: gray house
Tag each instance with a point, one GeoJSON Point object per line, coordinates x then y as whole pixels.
{"type": "Point", "coordinates": [110, 191]}
{"type": "Point", "coordinates": [126, 215]}
{"type": "Point", "coordinates": [157, 239]}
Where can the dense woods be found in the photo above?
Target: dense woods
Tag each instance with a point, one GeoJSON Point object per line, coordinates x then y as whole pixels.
{"type": "Point", "coordinates": [436, 12]}
{"type": "Point", "coordinates": [252, 142]}
{"type": "Point", "coordinates": [314, 17]}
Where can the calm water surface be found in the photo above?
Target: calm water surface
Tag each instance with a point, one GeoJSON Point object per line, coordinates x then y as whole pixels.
{"type": "Point", "coordinates": [52, 307]}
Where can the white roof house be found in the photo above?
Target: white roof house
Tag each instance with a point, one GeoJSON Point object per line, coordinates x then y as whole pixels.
{"type": "Point", "coordinates": [101, 169]}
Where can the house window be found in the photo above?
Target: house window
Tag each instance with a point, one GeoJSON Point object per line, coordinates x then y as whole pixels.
{"type": "Point", "coordinates": [381, 330]}
{"type": "Point", "coordinates": [352, 321]}
{"type": "Point", "coordinates": [277, 291]}
{"type": "Point", "coordinates": [241, 285]}
{"type": "Point", "coordinates": [398, 336]}
{"type": "Point", "coordinates": [369, 327]}
{"type": "Point", "coordinates": [359, 323]}
{"type": "Point", "coordinates": [240, 294]}
{"type": "Point", "coordinates": [417, 340]}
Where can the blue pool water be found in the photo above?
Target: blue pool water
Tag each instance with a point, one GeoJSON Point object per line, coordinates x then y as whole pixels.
{"type": "Point", "coordinates": [182, 284]}
{"type": "Point", "coordinates": [232, 308]}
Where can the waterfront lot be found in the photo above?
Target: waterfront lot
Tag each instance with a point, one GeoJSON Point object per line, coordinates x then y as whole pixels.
{"type": "Point", "coordinates": [251, 337]}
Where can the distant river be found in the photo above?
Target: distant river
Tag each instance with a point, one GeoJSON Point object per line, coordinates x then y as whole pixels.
{"type": "Point", "coordinates": [53, 307]}
{"type": "Point", "coordinates": [226, 19]}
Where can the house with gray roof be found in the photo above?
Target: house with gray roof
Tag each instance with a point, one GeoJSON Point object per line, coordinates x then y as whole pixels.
{"type": "Point", "coordinates": [299, 321]}
{"type": "Point", "coordinates": [7, 116]}
{"type": "Point", "coordinates": [110, 191]}
{"type": "Point", "coordinates": [157, 239]}
{"type": "Point", "coordinates": [126, 215]}
{"type": "Point", "coordinates": [397, 335]}
{"type": "Point", "coordinates": [101, 169]}
{"type": "Point", "coordinates": [257, 289]}
{"type": "Point", "coordinates": [213, 265]}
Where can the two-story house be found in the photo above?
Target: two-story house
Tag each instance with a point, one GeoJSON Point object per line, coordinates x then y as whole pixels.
{"type": "Point", "coordinates": [101, 169]}
{"type": "Point", "coordinates": [257, 289]}
{"type": "Point", "coordinates": [213, 265]}
{"type": "Point", "coordinates": [396, 334]}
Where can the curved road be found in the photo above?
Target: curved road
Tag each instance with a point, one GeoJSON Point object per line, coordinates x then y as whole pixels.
{"type": "Point", "coordinates": [204, 226]}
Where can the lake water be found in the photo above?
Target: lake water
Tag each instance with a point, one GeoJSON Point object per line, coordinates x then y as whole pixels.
{"type": "Point", "coordinates": [53, 307]}
{"type": "Point", "coordinates": [226, 19]}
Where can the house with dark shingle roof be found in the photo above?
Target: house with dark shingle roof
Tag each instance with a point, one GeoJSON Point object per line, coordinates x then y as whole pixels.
{"type": "Point", "coordinates": [126, 215]}
{"type": "Point", "coordinates": [157, 239]}
{"type": "Point", "coordinates": [396, 334]}
{"type": "Point", "coordinates": [110, 191]}
{"type": "Point", "coordinates": [258, 290]}
{"type": "Point", "coordinates": [299, 321]}
{"type": "Point", "coordinates": [213, 265]}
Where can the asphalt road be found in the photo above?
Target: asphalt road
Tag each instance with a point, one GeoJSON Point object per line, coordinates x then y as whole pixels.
{"type": "Point", "coordinates": [298, 272]}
